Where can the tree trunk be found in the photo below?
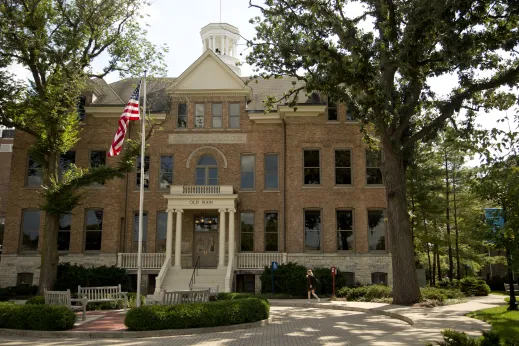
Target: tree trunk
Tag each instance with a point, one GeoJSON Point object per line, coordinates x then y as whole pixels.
{"type": "Point", "coordinates": [447, 212]}
{"type": "Point", "coordinates": [49, 250]}
{"type": "Point", "coordinates": [513, 302]}
{"type": "Point", "coordinates": [427, 247]}
{"type": "Point", "coordinates": [439, 263]}
{"type": "Point", "coordinates": [458, 264]}
{"type": "Point", "coordinates": [405, 281]}
{"type": "Point", "coordinates": [433, 278]}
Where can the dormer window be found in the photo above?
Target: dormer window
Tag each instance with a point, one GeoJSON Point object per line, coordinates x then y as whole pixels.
{"type": "Point", "coordinates": [332, 110]}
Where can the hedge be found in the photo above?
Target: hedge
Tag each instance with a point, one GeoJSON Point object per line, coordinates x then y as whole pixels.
{"type": "Point", "coordinates": [36, 300]}
{"type": "Point", "coordinates": [365, 293]}
{"type": "Point", "coordinates": [441, 294]}
{"type": "Point", "coordinates": [290, 278]}
{"type": "Point", "coordinates": [474, 287]}
{"type": "Point", "coordinates": [71, 276]}
{"type": "Point", "coordinates": [197, 315]}
{"type": "Point", "coordinates": [36, 317]}
{"type": "Point", "coordinates": [18, 291]}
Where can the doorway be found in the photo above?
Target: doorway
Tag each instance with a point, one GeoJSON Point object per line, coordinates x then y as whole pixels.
{"type": "Point", "coordinates": [206, 241]}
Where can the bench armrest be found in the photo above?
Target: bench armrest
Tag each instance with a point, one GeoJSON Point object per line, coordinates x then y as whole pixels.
{"type": "Point", "coordinates": [83, 300]}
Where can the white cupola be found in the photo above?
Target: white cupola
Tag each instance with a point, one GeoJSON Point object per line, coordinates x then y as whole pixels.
{"type": "Point", "coordinates": [222, 39]}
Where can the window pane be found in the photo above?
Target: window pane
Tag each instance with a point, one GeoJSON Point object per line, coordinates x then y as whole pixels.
{"type": "Point", "coordinates": [63, 240]}
{"type": "Point", "coordinates": [217, 122]}
{"type": "Point", "coordinates": [247, 171]}
{"type": "Point", "coordinates": [146, 172]}
{"type": "Point", "coordinates": [207, 161]}
{"type": "Point", "coordinates": [216, 109]}
{"type": "Point", "coordinates": [162, 223]}
{"type": "Point", "coordinates": [199, 114]}
{"type": "Point", "coordinates": [312, 230]}
{"type": "Point", "coordinates": [65, 222]}
{"type": "Point", "coordinates": [311, 158]}
{"type": "Point", "coordinates": [271, 232]}
{"type": "Point", "coordinates": [342, 158]}
{"type": "Point", "coordinates": [234, 109]}
{"type": "Point", "coordinates": [234, 115]}
{"type": "Point", "coordinates": [213, 173]}
{"type": "Point", "coordinates": [376, 230]}
{"type": "Point", "coordinates": [94, 220]}
{"type": "Point", "coordinates": [271, 242]}
{"type": "Point", "coordinates": [332, 110]}
{"type": "Point", "coordinates": [34, 173]}
{"type": "Point", "coordinates": [200, 173]}
{"type": "Point", "coordinates": [271, 181]}
{"type": "Point", "coordinates": [234, 123]}
{"type": "Point", "coordinates": [213, 182]}
{"type": "Point", "coordinates": [93, 240]}
{"type": "Point", "coordinates": [97, 158]}
{"type": "Point", "coordinates": [30, 230]}
{"type": "Point", "coordinates": [373, 176]}
{"type": "Point", "coordinates": [344, 230]}
{"type": "Point", "coordinates": [271, 171]}
{"type": "Point", "coordinates": [373, 158]}
{"type": "Point", "coordinates": [312, 176]}
{"type": "Point", "coordinates": [343, 176]}
{"type": "Point", "coordinates": [166, 171]}
{"type": "Point", "coordinates": [182, 109]}
{"type": "Point", "coordinates": [247, 231]}
{"type": "Point", "coordinates": [136, 231]}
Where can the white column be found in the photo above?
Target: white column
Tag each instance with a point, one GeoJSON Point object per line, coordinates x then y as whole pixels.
{"type": "Point", "coordinates": [169, 234]}
{"type": "Point", "coordinates": [204, 47]}
{"type": "Point", "coordinates": [234, 42]}
{"type": "Point", "coordinates": [226, 46]}
{"type": "Point", "coordinates": [178, 238]}
{"type": "Point", "coordinates": [213, 43]}
{"type": "Point", "coordinates": [221, 245]}
{"type": "Point", "coordinates": [231, 233]}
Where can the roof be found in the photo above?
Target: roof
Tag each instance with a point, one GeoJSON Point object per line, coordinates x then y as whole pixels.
{"type": "Point", "coordinates": [115, 93]}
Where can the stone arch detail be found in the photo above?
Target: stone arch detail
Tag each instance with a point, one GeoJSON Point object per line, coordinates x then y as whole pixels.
{"type": "Point", "coordinates": [206, 147]}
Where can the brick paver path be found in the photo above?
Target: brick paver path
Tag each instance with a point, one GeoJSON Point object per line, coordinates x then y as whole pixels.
{"type": "Point", "coordinates": [290, 326]}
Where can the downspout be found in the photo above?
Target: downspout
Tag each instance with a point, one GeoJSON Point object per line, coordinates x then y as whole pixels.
{"type": "Point", "coordinates": [284, 185]}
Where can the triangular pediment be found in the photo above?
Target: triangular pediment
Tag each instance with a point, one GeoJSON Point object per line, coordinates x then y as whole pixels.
{"type": "Point", "coordinates": [209, 73]}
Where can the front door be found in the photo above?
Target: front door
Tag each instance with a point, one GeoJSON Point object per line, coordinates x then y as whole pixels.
{"type": "Point", "coordinates": [206, 245]}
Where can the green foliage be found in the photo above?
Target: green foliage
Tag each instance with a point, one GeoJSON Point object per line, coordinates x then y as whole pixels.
{"type": "Point", "coordinates": [504, 322]}
{"type": "Point", "coordinates": [70, 276]}
{"type": "Point", "coordinates": [365, 293]}
{"type": "Point", "coordinates": [455, 338]}
{"type": "Point", "coordinates": [289, 278]}
{"type": "Point", "coordinates": [17, 292]}
{"type": "Point", "coordinates": [471, 286]}
{"type": "Point", "coordinates": [197, 315]}
{"type": "Point", "coordinates": [36, 300]}
{"type": "Point", "coordinates": [441, 294]}
{"type": "Point", "coordinates": [36, 317]}
{"type": "Point", "coordinates": [118, 304]}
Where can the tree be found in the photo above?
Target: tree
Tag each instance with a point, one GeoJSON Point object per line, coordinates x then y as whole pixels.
{"type": "Point", "coordinates": [57, 41]}
{"type": "Point", "coordinates": [383, 75]}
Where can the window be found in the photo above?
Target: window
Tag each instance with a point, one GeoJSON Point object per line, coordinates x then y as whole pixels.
{"type": "Point", "coordinates": [271, 172]}
{"type": "Point", "coordinates": [135, 243]}
{"type": "Point", "coordinates": [373, 172]}
{"type": "Point", "coordinates": [312, 171]}
{"type": "Point", "coordinates": [342, 167]}
{"type": "Point", "coordinates": [248, 165]}
{"type": "Point", "coordinates": [332, 110]}
{"type": "Point", "coordinates": [166, 171]}
{"type": "Point", "coordinates": [377, 230]}
{"type": "Point", "coordinates": [81, 113]}
{"type": "Point", "coordinates": [97, 158]}
{"type": "Point", "coordinates": [146, 172]}
{"type": "Point", "coordinates": [206, 171]}
{"type": "Point", "coordinates": [182, 115]}
{"type": "Point", "coordinates": [247, 232]}
{"type": "Point", "coordinates": [217, 115]}
{"type": "Point", "coordinates": [64, 232]}
{"type": "Point", "coordinates": [93, 230]}
{"type": "Point", "coordinates": [34, 173]}
{"type": "Point", "coordinates": [24, 278]}
{"type": "Point", "coordinates": [271, 231]}
{"type": "Point", "coordinates": [7, 133]}
{"type": "Point", "coordinates": [65, 161]}
{"type": "Point", "coordinates": [344, 229]}
{"type": "Point", "coordinates": [30, 229]}
{"type": "Point", "coordinates": [199, 115]}
{"type": "Point", "coordinates": [379, 278]}
{"type": "Point", "coordinates": [350, 111]}
{"type": "Point", "coordinates": [349, 279]}
{"type": "Point", "coordinates": [234, 115]}
{"type": "Point", "coordinates": [162, 224]}
{"type": "Point", "coordinates": [313, 230]}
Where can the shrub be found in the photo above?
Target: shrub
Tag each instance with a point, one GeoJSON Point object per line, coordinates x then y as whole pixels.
{"type": "Point", "coordinates": [119, 304]}
{"type": "Point", "coordinates": [18, 291]}
{"type": "Point", "coordinates": [325, 280]}
{"type": "Point", "coordinates": [496, 283]}
{"type": "Point", "coordinates": [36, 300]}
{"type": "Point", "coordinates": [471, 286]}
{"type": "Point", "coordinates": [197, 315]}
{"type": "Point", "coordinates": [233, 296]}
{"type": "Point", "coordinates": [36, 317]}
{"type": "Point", "coordinates": [446, 283]}
{"type": "Point", "coordinates": [71, 276]}
{"type": "Point", "coordinates": [455, 338]}
{"type": "Point", "coordinates": [441, 294]}
{"type": "Point", "coordinates": [365, 293]}
{"type": "Point", "coordinates": [289, 278]}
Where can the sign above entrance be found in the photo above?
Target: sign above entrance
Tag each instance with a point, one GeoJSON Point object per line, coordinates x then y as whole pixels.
{"type": "Point", "coordinates": [202, 202]}
{"type": "Point", "coordinates": [208, 138]}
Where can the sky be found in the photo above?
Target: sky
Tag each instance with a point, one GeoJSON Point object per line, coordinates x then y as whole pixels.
{"type": "Point", "coordinates": [178, 22]}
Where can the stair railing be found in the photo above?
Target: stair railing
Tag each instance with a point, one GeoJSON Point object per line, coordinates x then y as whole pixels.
{"type": "Point", "coordinates": [195, 273]}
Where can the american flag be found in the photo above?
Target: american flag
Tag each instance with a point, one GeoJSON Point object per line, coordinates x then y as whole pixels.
{"type": "Point", "coordinates": [131, 112]}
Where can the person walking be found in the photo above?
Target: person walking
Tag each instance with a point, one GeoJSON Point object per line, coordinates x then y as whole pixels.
{"type": "Point", "coordinates": [310, 285]}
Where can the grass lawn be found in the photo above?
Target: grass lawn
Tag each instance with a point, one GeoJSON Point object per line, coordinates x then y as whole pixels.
{"type": "Point", "coordinates": [502, 293]}
{"type": "Point", "coordinates": [506, 323]}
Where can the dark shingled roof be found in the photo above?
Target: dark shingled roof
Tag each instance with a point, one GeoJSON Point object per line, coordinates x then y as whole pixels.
{"type": "Point", "coordinates": [115, 93]}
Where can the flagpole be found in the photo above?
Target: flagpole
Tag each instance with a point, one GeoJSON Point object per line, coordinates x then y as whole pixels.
{"type": "Point", "coordinates": [141, 197]}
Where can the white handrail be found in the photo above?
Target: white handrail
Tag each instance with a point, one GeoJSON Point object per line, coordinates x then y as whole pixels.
{"type": "Point", "coordinates": [149, 260]}
{"type": "Point", "coordinates": [259, 260]}
{"type": "Point", "coordinates": [162, 274]}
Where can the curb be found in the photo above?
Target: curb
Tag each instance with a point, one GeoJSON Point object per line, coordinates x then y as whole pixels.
{"type": "Point", "coordinates": [330, 306]}
{"type": "Point", "coordinates": [129, 334]}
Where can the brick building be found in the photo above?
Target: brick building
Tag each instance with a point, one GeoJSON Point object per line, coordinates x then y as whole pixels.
{"type": "Point", "coordinates": [289, 185]}
{"type": "Point", "coordinates": [6, 150]}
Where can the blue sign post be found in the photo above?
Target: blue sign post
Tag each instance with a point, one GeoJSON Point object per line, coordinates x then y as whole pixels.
{"type": "Point", "coordinates": [273, 268]}
{"type": "Point", "coordinates": [494, 217]}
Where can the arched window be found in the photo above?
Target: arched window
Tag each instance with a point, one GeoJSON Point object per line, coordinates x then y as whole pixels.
{"type": "Point", "coordinates": [206, 171]}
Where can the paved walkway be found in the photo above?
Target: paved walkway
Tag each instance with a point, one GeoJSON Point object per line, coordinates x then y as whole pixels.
{"type": "Point", "coordinates": [299, 324]}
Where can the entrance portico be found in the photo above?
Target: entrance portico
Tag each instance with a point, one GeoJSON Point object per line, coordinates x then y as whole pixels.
{"type": "Point", "coordinates": [201, 198]}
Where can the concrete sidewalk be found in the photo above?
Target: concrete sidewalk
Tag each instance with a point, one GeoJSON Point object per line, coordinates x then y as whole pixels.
{"type": "Point", "coordinates": [426, 323]}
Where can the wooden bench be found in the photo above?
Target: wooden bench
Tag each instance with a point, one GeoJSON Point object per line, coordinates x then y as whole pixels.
{"type": "Point", "coordinates": [516, 288]}
{"type": "Point", "coordinates": [64, 298]}
{"type": "Point", "coordinates": [103, 294]}
{"type": "Point", "coordinates": [184, 297]}
{"type": "Point", "coordinates": [213, 291]}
